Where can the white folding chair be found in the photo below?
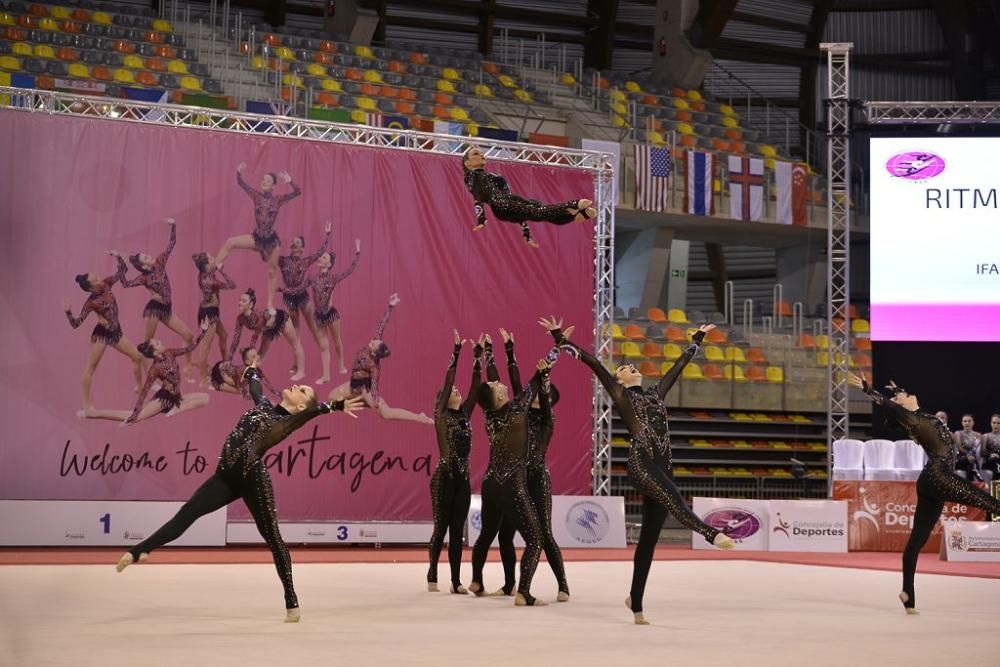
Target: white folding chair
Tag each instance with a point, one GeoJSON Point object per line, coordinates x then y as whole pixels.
{"type": "Point", "coordinates": [848, 459]}
{"type": "Point", "coordinates": [879, 464]}
{"type": "Point", "coordinates": [908, 459]}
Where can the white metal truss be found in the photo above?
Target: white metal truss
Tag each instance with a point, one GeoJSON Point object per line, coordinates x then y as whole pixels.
{"type": "Point", "coordinates": [932, 113]}
{"type": "Point", "coordinates": [838, 259]}
{"type": "Point", "coordinates": [600, 165]}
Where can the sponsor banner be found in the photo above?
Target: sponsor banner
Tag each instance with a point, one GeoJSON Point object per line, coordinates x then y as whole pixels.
{"type": "Point", "coordinates": [808, 525]}
{"type": "Point", "coordinates": [577, 521]}
{"type": "Point", "coordinates": [333, 532]}
{"type": "Point", "coordinates": [975, 541]}
{"type": "Point", "coordinates": [44, 523]}
{"type": "Point", "coordinates": [746, 521]}
{"type": "Point", "coordinates": [880, 515]}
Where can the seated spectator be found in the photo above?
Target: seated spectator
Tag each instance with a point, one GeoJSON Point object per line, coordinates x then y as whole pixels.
{"type": "Point", "coordinates": [989, 449]}
{"type": "Point", "coordinates": [968, 447]}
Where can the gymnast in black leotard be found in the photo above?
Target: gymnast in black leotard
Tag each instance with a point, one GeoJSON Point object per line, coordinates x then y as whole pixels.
{"type": "Point", "coordinates": [937, 483]}
{"type": "Point", "coordinates": [492, 189]}
{"type": "Point", "coordinates": [450, 490]}
{"type": "Point", "coordinates": [242, 474]}
{"type": "Point", "coordinates": [541, 424]}
{"type": "Point", "coordinates": [649, 463]}
{"type": "Point", "coordinates": [505, 491]}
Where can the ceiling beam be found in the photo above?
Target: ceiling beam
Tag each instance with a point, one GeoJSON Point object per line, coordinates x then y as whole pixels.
{"type": "Point", "coordinates": [965, 51]}
{"type": "Point", "coordinates": [883, 6]}
{"type": "Point", "coordinates": [749, 51]}
{"type": "Point", "coordinates": [598, 43]}
{"type": "Point", "coordinates": [769, 22]}
{"type": "Point", "coordinates": [711, 21]}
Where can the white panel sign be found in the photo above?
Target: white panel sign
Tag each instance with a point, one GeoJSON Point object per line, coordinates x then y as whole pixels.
{"type": "Point", "coordinates": [332, 532]}
{"type": "Point", "coordinates": [99, 523]}
{"type": "Point", "coordinates": [971, 541]}
{"type": "Point", "coordinates": [808, 525]}
{"type": "Point", "coordinates": [746, 521]}
{"type": "Point", "coordinates": [577, 521]}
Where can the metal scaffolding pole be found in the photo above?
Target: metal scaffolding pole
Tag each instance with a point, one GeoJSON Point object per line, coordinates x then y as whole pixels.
{"type": "Point", "coordinates": [838, 146]}
{"type": "Point", "coordinates": [605, 197]}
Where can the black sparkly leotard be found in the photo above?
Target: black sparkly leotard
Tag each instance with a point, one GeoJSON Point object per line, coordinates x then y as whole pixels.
{"type": "Point", "coordinates": [937, 483]}
{"type": "Point", "coordinates": [265, 210]}
{"type": "Point", "coordinates": [541, 424]}
{"type": "Point", "coordinates": [505, 489]}
{"type": "Point", "coordinates": [156, 281]}
{"type": "Point", "coordinates": [649, 461]}
{"type": "Point", "coordinates": [102, 303]}
{"type": "Point", "coordinates": [293, 268]}
{"type": "Point", "coordinates": [450, 491]}
{"type": "Point", "coordinates": [241, 474]}
{"type": "Point", "coordinates": [489, 188]}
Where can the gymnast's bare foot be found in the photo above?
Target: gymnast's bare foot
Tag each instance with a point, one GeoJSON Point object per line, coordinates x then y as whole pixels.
{"type": "Point", "coordinates": [723, 541]}
{"type": "Point", "coordinates": [639, 618]}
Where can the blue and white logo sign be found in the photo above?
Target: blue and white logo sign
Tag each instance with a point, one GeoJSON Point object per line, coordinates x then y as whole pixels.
{"type": "Point", "coordinates": [476, 519]}
{"type": "Point", "coordinates": [587, 522]}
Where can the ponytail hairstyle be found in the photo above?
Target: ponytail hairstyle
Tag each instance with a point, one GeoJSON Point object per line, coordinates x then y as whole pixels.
{"type": "Point", "coordinates": [83, 280]}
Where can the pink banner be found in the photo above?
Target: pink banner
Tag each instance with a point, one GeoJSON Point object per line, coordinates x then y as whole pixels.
{"type": "Point", "coordinates": [935, 322]}
{"type": "Point", "coordinates": [75, 188]}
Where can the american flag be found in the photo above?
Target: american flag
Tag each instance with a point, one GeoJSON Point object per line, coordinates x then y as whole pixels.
{"type": "Point", "coordinates": [652, 178]}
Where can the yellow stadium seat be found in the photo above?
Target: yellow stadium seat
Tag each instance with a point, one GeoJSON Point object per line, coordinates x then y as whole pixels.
{"type": "Point", "coordinates": [482, 90]}
{"type": "Point", "coordinates": [666, 366]}
{"type": "Point", "coordinates": [190, 83]}
{"type": "Point", "coordinates": [363, 51]}
{"type": "Point", "coordinates": [177, 67]}
{"type": "Point", "coordinates": [822, 358]}
{"type": "Point", "coordinates": [48, 24]}
{"type": "Point", "coordinates": [734, 373]}
{"type": "Point", "coordinates": [451, 74]}
{"type": "Point", "coordinates": [7, 19]}
{"type": "Point", "coordinates": [133, 61]}
{"type": "Point", "coordinates": [768, 151]}
{"type": "Point", "coordinates": [567, 79]}
{"type": "Point", "coordinates": [22, 49]}
{"type": "Point", "coordinates": [617, 96]}
{"type": "Point", "coordinates": [331, 85]}
{"type": "Point", "coordinates": [631, 350]}
{"type": "Point", "coordinates": [735, 354]}
{"type": "Point", "coordinates": [617, 121]}
{"type": "Point", "coordinates": [632, 87]}
{"type": "Point", "coordinates": [681, 103]}
{"type": "Point", "coordinates": [618, 107]}
{"type": "Point", "coordinates": [10, 63]}
{"type": "Point", "coordinates": [292, 80]}
{"type": "Point", "coordinates": [371, 76]}
{"type": "Point", "coordinates": [677, 316]}
{"type": "Point", "coordinates": [366, 103]}
{"type": "Point", "coordinates": [730, 122]}
{"type": "Point", "coordinates": [860, 326]}
{"type": "Point", "coordinates": [672, 351]}
{"type": "Point", "coordinates": [79, 71]}
{"type": "Point", "coordinates": [161, 25]}
{"type": "Point", "coordinates": [284, 53]}
{"type": "Point", "coordinates": [775, 374]}
{"type": "Point", "coordinates": [458, 113]}
{"type": "Point", "coordinates": [617, 333]}
{"type": "Point", "coordinates": [103, 18]}
{"type": "Point", "coordinates": [727, 110]}
{"type": "Point", "coordinates": [445, 86]}
{"type": "Point", "coordinates": [685, 128]}
{"type": "Point", "coordinates": [822, 342]}
{"type": "Point", "coordinates": [694, 95]}
{"type": "Point", "coordinates": [124, 76]}
{"type": "Point", "coordinates": [60, 13]}
{"type": "Point", "coordinates": [358, 116]}
{"type": "Point", "coordinates": [472, 129]}
{"type": "Point", "coordinates": [315, 69]}
{"type": "Point", "coordinates": [692, 372]}
{"type": "Point", "coordinates": [770, 163]}
{"type": "Point", "coordinates": [257, 62]}
{"type": "Point", "coordinates": [714, 353]}
{"type": "Point", "coordinates": [655, 138]}
{"type": "Point", "coordinates": [506, 81]}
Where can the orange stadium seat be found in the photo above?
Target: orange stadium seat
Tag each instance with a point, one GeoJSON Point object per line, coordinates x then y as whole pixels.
{"type": "Point", "coordinates": [755, 374]}
{"type": "Point", "coordinates": [389, 91]}
{"type": "Point", "coordinates": [404, 107]}
{"type": "Point", "coordinates": [652, 351]}
{"type": "Point", "coordinates": [656, 315]}
{"type": "Point", "coordinates": [650, 369]}
{"type": "Point", "coordinates": [633, 332]}
{"type": "Point", "coordinates": [444, 98]}
{"type": "Point", "coordinates": [38, 10]}
{"type": "Point", "coordinates": [327, 99]}
{"type": "Point", "coordinates": [756, 355]}
{"type": "Point", "coordinates": [154, 37]}
{"type": "Point", "coordinates": [27, 22]}
{"type": "Point", "coordinates": [712, 372]}
{"type": "Point", "coordinates": [715, 336]}
{"type": "Point", "coordinates": [322, 58]}
{"type": "Point", "coordinates": [327, 47]}
{"type": "Point", "coordinates": [81, 15]}
{"type": "Point", "coordinates": [71, 27]}
{"type": "Point", "coordinates": [418, 58]}
{"type": "Point", "coordinates": [863, 344]}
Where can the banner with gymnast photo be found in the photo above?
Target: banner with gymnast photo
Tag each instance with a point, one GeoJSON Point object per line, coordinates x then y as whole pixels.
{"type": "Point", "coordinates": [121, 368]}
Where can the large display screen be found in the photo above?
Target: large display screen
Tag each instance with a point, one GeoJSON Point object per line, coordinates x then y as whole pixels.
{"type": "Point", "coordinates": [935, 239]}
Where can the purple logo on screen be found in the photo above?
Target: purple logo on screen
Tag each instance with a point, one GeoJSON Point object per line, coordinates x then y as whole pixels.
{"type": "Point", "coordinates": [736, 523]}
{"type": "Point", "coordinates": [915, 165]}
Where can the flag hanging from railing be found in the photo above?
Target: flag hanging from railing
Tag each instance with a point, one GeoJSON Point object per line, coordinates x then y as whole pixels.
{"type": "Point", "coordinates": [699, 169]}
{"type": "Point", "coordinates": [791, 181]}
{"type": "Point", "coordinates": [746, 188]}
{"type": "Point", "coordinates": [652, 178]}
{"type": "Point", "coordinates": [449, 127]}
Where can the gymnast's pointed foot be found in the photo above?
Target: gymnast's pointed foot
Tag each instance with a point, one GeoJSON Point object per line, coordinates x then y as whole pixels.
{"type": "Point", "coordinates": [292, 615]}
{"type": "Point", "coordinates": [432, 587]}
{"type": "Point", "coordinates": [479, 226]}
{"type": "Point", "coordinates": [503, 592]}
{"type": "Point", "coordinates": [127, 559]}
{"type": "Point", "coordinates": [459, 589]}
{"type": "Point", "coordinates": [586, 214]}
{"type": "Point", "coordinates": [563, 596]}
{"type": "Point", "coordinates": [476, 589]}
{"type": "Point", "coordinates": [639, 618]}
{"type": "Point", "coordinates": [908, 604]}
{"type": "Point", "coordinates": [527, 600]}
{"type": "Point", "coordinates": [723, 541]}
{"type": "Point", "coordinates": [532, 244]}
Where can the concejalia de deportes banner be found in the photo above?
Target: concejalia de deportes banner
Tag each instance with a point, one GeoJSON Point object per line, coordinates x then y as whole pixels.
{"type": "Point", "coordinates": [75, 188]}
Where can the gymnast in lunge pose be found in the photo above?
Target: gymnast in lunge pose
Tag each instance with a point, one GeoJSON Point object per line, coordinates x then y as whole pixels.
{"type": "Point", "coordinates": [539, 482]}
{"type": "Point", "coordinates": [323, 314]}
{"type": "Point", "coordinates": [937, 483]}
{"type": "Point", "coordinates": [504, 492]}
{"type": "Point", "coordinates": [450, 489]}
{"type": "Point", "coordinates": [153, 276]}
{"type": "Point", "coordinates": [167, 400]}
{"type": "Point", "coordinates": [211, 280]}
{"type": "Point", "coordinates": [267, 327]}
{"type": "Point", "coordinates": [108, 331]}
{"type": "Point", "coordinates": [649, 462]}
{"type": "Point", "coordinates": [365, 375]}
{"type": "Point", "coordinates": [263, 239]}
{"type": "Point", "coordinates": [241, 474]}
{"type": "Point", "coordinates": [227, 377]}
{"type": "Point", "coordinates": [492, 189]}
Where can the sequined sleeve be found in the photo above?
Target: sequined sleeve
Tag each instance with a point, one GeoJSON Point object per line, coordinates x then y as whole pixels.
{"type": "Point", "coordinates": [226, 282]}
{"type": "Point", "coordinates": [118, 275]}
{"type": "Point", "coordinates": [893, 411]}
{"type": "Point", "coordinates": [165, 255]}
{"type": "Point", "coordinates": [289, 196]}
{"type": "Point", "coordinates": [492, 375]}
{"type": "Point", "coordinates": [252, 379]}
{"type": "Point", "coordinates": [85, 310]}
{"type": "Point", "coordinates": [380, 330]}
{"type": "Point", "coordinates": [512, 370]}
{"type": "Point", "coordinates": [477, 379]}
{"type": "Point", "coordinates": [545, 405]}
{"type": "Point", "coordinates": [449, 381]}
{"type": "Point", "coordinates": [237, 332]}
{"type": "Point", "coordinates": [285, 427]}
{"type": "Point", "coordinates": [246, 188]}
{"type": "Point", "coordinates": [139, 281]}
{"type": "Point", "coordinates": [349, 270]}
{"type": "Point", "coordinates": [180, 351]}
{"type": "Point", "coordinates": [308, 260]}
{"type": "Point", "coordinates": [670, 377]}
{"type": "Point", "coordinates": [151, 376]}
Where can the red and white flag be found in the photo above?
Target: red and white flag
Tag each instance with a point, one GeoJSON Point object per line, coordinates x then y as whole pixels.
{"type": "Point", "coordinates": [746, 188]}
{"type": "Point", "coordinates": [791, 181]}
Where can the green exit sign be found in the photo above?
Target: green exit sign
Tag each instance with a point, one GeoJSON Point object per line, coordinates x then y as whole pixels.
{"type": "Point", "coordinates": [678, 273]}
